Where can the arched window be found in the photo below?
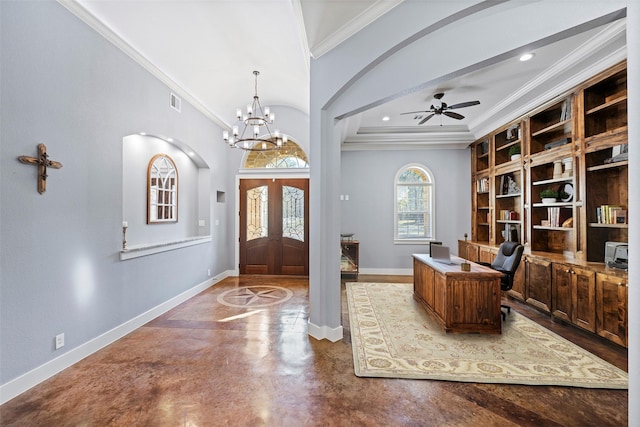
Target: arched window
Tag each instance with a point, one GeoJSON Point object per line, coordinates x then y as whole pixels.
{"type": "Point", "coordinates": [291, 156]}
{"type": "Point", "coordinates": [414, 209]}
{"type": "Point", "coordinates": [162, 190]}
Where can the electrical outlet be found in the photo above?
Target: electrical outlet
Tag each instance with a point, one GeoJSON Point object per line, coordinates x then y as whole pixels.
{"type": "Point", "coordinates": [208, 272]}
{"type": "Point", "coordinates": [59, 341]}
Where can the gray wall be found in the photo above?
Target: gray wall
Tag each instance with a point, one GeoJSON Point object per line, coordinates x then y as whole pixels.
{"type": "Point", "coordinates": [368, 179]}
{"type": "Point", "coordinates": [66, 86]}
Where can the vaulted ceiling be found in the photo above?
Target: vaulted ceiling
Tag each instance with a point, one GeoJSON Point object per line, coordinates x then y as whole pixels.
{"type": "Point", "coordinates": [207, 51]}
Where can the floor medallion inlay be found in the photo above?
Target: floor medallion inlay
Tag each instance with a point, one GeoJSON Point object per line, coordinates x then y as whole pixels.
{"type": "Point", "coordinates": [255, 296]}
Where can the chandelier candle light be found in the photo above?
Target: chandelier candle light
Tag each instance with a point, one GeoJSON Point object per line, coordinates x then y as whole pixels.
{"type": "Point", "coordinates": [253, 137]}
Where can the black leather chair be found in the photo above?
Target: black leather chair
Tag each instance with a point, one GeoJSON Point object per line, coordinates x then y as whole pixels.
{"type": "Point", "coordinates": [507, 262]}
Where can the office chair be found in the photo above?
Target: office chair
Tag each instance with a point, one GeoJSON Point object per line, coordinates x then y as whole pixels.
{"type": "Point", "coordinates": [506, 262]}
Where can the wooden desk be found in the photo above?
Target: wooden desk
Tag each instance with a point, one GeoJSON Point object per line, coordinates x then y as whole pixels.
{"type": "Point", "coordinates": [460, 301]}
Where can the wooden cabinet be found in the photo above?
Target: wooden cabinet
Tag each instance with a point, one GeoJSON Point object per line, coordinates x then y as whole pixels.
{"type": "Point", "coordinates": [507, 143]}
{"type": "Point", "coordinates": [508, 205]}
{"type": "Point", "coordinates": [604, 102]}
{"type": "Point", "coordinates": [574, 295]}
{"type": "Point", "coordinates": [575, 144]}
{"type": "Point", "coordinates": [482, 208]}
{"type": "Point", "coordinates": [487, 254]}
{"type": "Point", "coordinates": [538, 282]}
{"type": "Point", "coordinates": [518, 291]}
{"type": "Point", "coordinates": [585, 294]}
{"type": "Point", "coordinates": [469, 252]}
{"type": "Point", "coordinates": [611, 308]}
{"type": "Point", "coordinates": [349, 261]}
{"type": "Point", "coordinates": [552, 224]}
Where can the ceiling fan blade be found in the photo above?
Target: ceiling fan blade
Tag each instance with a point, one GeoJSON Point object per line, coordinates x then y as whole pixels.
{"type": "Point", "coordinates": [463, 104]}
{"type": "Point", "coordinates": [453, 115]}
{"type": "Point", "coordinates": [415, 112]}
{"type": "Point", "coordinates": [426, 118]}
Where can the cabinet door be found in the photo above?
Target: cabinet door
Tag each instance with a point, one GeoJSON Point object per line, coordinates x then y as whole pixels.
{"type": "Point", "coordinates": [487, 255]}
{"type": "Point", "coordinates": [538, 283]}
{"type": "Point", "coordinates": [611, 308]}
{"type": "Point", "coordinates": [562, 292]}
{"type": "Point", "coordinates": [518, 289]}
{"type": "Point", "coordinates": [584, 299]}
{"type": "Point", "coordinates": [473, 253]}
{"type": "Point", "coordinates": [462, 248]}
{"type": "Point", "coordinates": [439, 293]}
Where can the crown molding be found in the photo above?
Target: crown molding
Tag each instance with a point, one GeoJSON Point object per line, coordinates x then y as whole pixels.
{"type": "Point", "coordinates": [356, 24]}
{"type": "Point", "coordinates": [484, 123]}
{"type": "Point", "coordinates": [423, 130]}
{"type": "Point", "coordinates": [414, 140]}
{"type": "Point", "coordinates": [88, 18]}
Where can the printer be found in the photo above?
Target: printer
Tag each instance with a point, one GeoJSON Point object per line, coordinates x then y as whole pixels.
{"type": "Point", "coordinates": [616, 255]}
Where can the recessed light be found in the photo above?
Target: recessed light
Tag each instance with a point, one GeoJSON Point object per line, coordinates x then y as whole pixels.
{"type": "Point", "coordinates": [527, 56]}
{"type": "Point", "coordinates": [385, 119]}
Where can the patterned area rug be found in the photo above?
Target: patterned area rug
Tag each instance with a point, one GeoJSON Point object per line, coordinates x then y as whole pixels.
{"type": "Point", "coordinates": [394, 337]}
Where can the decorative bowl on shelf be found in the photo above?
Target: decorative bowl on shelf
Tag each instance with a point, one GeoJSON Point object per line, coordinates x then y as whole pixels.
{"type": "Point", "coordinates": [548, 200]}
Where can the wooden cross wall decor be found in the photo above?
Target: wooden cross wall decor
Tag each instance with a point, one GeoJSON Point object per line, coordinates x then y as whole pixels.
{"type": "Point", "coordinates": [43, 162]}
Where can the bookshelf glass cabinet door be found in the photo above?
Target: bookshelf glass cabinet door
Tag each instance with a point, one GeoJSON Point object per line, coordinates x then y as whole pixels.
{"type": "Point", "coordinates": [552, 197]}
{"type": "Point", "coordinates": [606, 200]}
{"type": "Point", "coordinates": [606, 161]}
{"type": "Point", "coordinates": [552, 127]}
{"type": "Point", "coordinates": [508, 145]}
{"type": "Point", "coordinates": [482, 209]}
{"type": "Point", "coordinates": [508, 210]}
{"type": "Point", "coordinates": [481, 156]}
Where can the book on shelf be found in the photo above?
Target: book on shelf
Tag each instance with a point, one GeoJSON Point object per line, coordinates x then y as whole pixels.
{"type": "Point", "coordinates": [483, 185]}
{"type": "Point", "coordinates": [553, 216]}
{"type": "Point", "coordinates": [609, 214]}
{"type": "Point", "coordinates": [566, 110]}
{"type": "Point", "coordinates": [556, 217]}
{"type": "Point", "coordinates": [509, 215]}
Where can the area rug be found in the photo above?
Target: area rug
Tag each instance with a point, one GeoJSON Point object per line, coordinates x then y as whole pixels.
{"type": "Point", "coordinates": [393, 336]}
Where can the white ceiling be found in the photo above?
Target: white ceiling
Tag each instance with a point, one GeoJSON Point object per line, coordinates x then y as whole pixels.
{"type": "Point", "coordinates": [208, 49]}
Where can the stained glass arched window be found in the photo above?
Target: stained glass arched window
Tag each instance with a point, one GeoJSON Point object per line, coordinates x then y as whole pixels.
{"type": "Point", "coordinates": [414, 209]}
{"type": "Point", "coordinates": [291, 156]}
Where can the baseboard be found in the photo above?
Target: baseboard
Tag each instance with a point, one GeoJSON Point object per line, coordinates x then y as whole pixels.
{"type": "Point", "coordinates": [34, 377]}
{"type": "Point", "coordinates": [388, 271]}
{"type": "Point", "coordinates": [325, 332]}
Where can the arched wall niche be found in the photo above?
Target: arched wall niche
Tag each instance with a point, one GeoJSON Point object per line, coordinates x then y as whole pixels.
{"type": "Point", "coordinates": [194, 197]}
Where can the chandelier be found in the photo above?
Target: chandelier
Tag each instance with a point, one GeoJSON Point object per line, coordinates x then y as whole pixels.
{"type": "Point", "coordinates": [253, 136]}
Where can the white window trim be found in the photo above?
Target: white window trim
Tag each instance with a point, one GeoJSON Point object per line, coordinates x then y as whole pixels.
{"type": "Point", "coordinates": [414, 241]}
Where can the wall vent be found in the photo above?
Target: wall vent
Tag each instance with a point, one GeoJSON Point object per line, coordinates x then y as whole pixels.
{"type": "Point", "coordinates": [175, 102]}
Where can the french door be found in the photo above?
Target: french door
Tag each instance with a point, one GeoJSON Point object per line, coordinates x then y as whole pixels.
{"type": "Point", "coordinates": [274, 230]}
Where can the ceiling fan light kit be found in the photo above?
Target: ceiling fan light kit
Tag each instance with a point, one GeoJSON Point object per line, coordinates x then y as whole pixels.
{"type": "Point", "coordinates": [440, 108]}
{"type": "Point", "coordinates": [256, 118]}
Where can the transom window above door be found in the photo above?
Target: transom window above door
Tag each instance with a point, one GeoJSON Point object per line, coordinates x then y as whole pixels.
{"type": "Point", "coordinates": [290, 156]}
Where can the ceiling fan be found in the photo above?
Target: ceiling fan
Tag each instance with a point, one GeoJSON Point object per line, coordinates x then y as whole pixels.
{"type": "Point", "coordinates": [438, 107]}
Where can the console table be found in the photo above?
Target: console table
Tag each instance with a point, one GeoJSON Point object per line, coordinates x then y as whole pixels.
{"type": "Point", "coordinates": [349, 262]}
{"type": "Point", "coordinates": [459, 301]}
